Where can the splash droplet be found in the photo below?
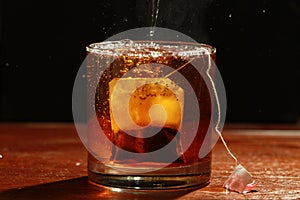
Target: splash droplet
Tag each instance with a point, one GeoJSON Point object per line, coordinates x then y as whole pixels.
{"type": "Point", "coordinates": [151, 33]}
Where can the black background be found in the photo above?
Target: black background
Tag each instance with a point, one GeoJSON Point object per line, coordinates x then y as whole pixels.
{"type": "Point", "coordinates": [42, 44]}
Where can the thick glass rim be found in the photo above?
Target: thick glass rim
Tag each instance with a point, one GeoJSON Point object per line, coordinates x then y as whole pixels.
{"type": "Point", "coordinates": [118, 47]}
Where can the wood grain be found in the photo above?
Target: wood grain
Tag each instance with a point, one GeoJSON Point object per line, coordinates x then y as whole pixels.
{"type": "Point", "coordinates": [48, 161]}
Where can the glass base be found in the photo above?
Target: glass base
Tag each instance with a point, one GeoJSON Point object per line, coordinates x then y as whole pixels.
{"type": "Point", "coordinates": [150, 182]}
{"type": "Point", "coordinates": [170, 177]}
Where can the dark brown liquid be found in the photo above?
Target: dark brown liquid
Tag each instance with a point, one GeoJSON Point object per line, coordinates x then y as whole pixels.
{"type": "Point", "coordinates": [143, 145]}
{"type": "Point", "coordinates": [120, 66]}
{"type": "Point", "coordinates": [124, 160]}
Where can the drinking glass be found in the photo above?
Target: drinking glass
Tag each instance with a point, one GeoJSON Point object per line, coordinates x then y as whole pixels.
{"type": "Point", "coordinates": [150, 114]}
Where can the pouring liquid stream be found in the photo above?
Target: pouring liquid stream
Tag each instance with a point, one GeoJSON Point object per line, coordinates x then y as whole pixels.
{"type": "Point", "coordinates": [154, 16]}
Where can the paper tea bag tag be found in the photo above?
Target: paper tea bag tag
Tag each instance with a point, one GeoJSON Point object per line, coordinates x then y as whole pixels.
{"type": "Point", "coordinates": [139, 102]}
{"type": "Point", "coordinates": [239, 181]}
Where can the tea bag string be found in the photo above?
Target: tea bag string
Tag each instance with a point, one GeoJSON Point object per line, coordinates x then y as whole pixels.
{"type": "Point", "coordinates": [217, 102]}
{"type": "Point", "coordinates": [219, 110]}
{"type": "Point", "coordinates": [179, 68]}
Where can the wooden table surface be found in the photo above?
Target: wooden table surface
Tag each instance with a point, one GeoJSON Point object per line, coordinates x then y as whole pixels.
{"type": "Point", "coordinates": [48, 161]}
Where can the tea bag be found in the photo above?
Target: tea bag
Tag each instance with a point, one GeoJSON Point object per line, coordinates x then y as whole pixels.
{"type": "Point", "coordinates": [138, 102]}
{"type": "Point", "coordinates": [146, 115]}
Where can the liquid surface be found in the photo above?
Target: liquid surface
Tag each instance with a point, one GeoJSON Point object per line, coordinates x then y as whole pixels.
{"type": "Point", "coordinates": [149, 49]}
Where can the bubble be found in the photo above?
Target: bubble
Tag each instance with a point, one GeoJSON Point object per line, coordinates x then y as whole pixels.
{"type": "Point", "coordinates": [127, 42]}
{"type": "Point", "coordinates": [230, 15]}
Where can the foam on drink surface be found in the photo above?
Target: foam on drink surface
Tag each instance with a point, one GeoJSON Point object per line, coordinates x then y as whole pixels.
{"type": "Point", "coordinates": [146, 49]}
